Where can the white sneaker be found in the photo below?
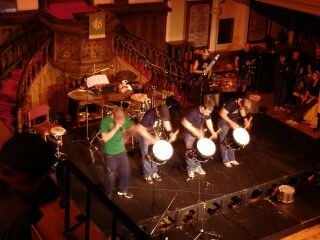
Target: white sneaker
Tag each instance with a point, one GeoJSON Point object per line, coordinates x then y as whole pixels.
{"type": "Point", "coordinates": [200, 171]}
{"type": "Point", "coordinates": [228, 164]}
{"type": "Point", "coordinates": [149, 180]}
{"type": "Point", "coordinates": [191, 174]}
{"type": "Point", "coordinates": [126, 194]}
{"type": "Point", "coordinates": [234, 162]}
{"type": "Point", "coordinates": [156, 177]}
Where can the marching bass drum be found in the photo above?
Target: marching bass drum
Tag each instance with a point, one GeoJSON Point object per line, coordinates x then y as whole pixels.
{"type": "Point", "coordinates": [237, 138]}
{"type": "Point", "coordinates": [205, 149]}
{"type": "Point", "coordinates": [161, 152]}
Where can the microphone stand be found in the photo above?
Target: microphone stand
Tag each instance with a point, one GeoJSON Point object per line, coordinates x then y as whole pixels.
{"type": "Point", "coordinates": [163, 214]}
{"type": "Point", "coordinates": [213, 235]}
{"type": "Point", "coordinates": [87, 100]}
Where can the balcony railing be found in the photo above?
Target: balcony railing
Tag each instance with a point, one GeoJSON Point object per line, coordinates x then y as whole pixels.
{"type": "Point", "coordinates": [67, 170]}
{"type": "Point", "coordinates": [138, 52]}
{"type": "Point", "coordinates": [15, 52]}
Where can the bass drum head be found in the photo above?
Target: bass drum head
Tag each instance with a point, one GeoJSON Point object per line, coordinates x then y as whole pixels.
{"type": "Point", "coordinates": [206, 147]}
{"type": "Point", "coordinates": [241, 136]}
{"type": "Point", "coordinates": [162, 150]}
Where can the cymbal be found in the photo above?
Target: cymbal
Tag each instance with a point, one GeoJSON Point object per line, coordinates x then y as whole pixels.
{"type": "Point", "coordinates": [81, 95]}
{"type": "Point", "coordinates": [162, 94]}
{"type": "Point", "coordinates": [140, 97]}
{"type": "Point", "coordinates": [117, 96]}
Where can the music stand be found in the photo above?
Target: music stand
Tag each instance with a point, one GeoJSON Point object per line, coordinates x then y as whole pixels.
{"type": "Point", "coordinates": [92, 81]}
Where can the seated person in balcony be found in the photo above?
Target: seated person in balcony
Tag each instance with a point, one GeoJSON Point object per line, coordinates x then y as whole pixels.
{"type": "Point", "coordinates": [314, 63]}
{"type": "Point", "coordinates": [115, 155]}
{"type": "Point", "coordinates": [309, 100]}
{"type": "Point", "coordinates": [25, 161]}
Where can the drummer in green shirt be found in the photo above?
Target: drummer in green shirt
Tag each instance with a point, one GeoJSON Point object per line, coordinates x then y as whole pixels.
{"type": "Point", "coordinates": [115, 155]}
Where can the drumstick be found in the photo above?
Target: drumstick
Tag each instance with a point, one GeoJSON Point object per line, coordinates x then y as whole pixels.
{"type": "Point", "coordinates": [174, 135]}
{"type": "Point", "coordinates": [249, 122]}
{"type": "Point", "coordinates": [217, 132]}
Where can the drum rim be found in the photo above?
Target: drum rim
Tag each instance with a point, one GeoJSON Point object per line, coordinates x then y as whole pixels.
{"type": "Point", "coordinates": [61, 128]}
{"type": "Point", "coordinates": [288, 187]}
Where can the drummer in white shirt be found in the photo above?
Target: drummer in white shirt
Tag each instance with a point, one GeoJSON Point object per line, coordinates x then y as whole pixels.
{"type": "Point", "coordinates": [231, 115]}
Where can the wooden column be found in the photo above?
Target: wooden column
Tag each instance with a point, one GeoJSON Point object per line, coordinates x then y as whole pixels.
{"type": "Point", "coordinates": [214, 25]}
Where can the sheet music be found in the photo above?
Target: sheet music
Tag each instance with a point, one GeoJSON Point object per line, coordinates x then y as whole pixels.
{"type": "Point", "coordinates": [97, 80]}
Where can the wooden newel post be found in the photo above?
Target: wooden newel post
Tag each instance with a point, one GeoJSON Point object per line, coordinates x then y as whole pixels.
{"type": "Point", "coordinates": [19, 120]}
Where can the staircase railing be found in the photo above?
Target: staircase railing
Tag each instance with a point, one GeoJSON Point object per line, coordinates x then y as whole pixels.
{"type": "Point", "coordinates": [13, 53]}
{"type": "Point", "coordinates": [68, 169]}
{"type": "Point", "coordinates": [136, 51]}
{"type": "Point", "coordinates": [34, 66]}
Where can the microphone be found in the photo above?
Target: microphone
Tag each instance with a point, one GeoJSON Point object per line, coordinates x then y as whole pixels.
{"type": "Point", "coordinates": [146, 64]}
{"type": "Point", "coordinates": [206, 184]}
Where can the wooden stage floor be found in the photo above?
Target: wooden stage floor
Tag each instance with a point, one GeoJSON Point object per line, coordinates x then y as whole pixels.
{"type": "Point", "coordinates": [276, 151]}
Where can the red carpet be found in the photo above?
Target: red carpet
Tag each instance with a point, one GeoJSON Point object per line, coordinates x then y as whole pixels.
{"type": "Point", "coordinates": [66, 10]}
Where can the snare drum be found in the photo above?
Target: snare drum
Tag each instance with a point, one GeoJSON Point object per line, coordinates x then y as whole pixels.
{"type": "Point", "coordinates": [57, 131]}
{"type": "Point", "coordinates": [237, 138]}
{"type": "Point", "coordinates": [161, 152]}
{"type": "Point", "coordinates": [286, 194]}
{"type": "Point", "coordinates": [205, 148]}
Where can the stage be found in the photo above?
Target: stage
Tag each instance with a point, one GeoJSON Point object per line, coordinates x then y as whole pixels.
{"type": "Point", "coordinates": [233, 203]}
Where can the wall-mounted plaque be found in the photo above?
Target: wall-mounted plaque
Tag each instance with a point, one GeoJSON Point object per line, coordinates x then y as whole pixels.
{"type": "Point", "coordinates": [258, 23]}
{"type": "Point", "coordinates": [198, 23]}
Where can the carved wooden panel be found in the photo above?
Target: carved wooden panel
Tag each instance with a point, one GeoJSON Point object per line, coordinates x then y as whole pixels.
{"type": "Point", "coordinates": [144, 20]}
{"type": "Point", "coordinates": [67, 47]}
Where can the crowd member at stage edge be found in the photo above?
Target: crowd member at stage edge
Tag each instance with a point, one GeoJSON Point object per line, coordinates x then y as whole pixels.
{"type": "Point", "coordinates": [281, 75]}
{"type": "Point", "coordinates": [25, 161]}
{"type": "Point", "coordinates": [314, 64]}
{"type": "Point", "coordinates": [193, 124]}
{"type": "Point", "coordinates": [309, 99]}
{"type": "Point", "coordinates": [115, 155]}
{"type": "Point", "coordinates": [231, 114]}
{"type": "Point", "coordinates": [154, 120]}
{"type": "Point", "coordinates": [245, 66]}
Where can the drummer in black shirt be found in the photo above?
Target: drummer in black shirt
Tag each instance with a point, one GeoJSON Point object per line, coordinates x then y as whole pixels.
{"type": "Point", "coordinates": [231, 115]}
{"type": "Point", "coordinates": [193, 124]}
{"type": "Point", "coordinates": [154, 121]}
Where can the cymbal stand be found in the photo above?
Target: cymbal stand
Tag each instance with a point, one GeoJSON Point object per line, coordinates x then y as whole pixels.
{"type": "Point", "coordinates": [87, 118]}
{"type": "Point", "coordinates": [213, 235]}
